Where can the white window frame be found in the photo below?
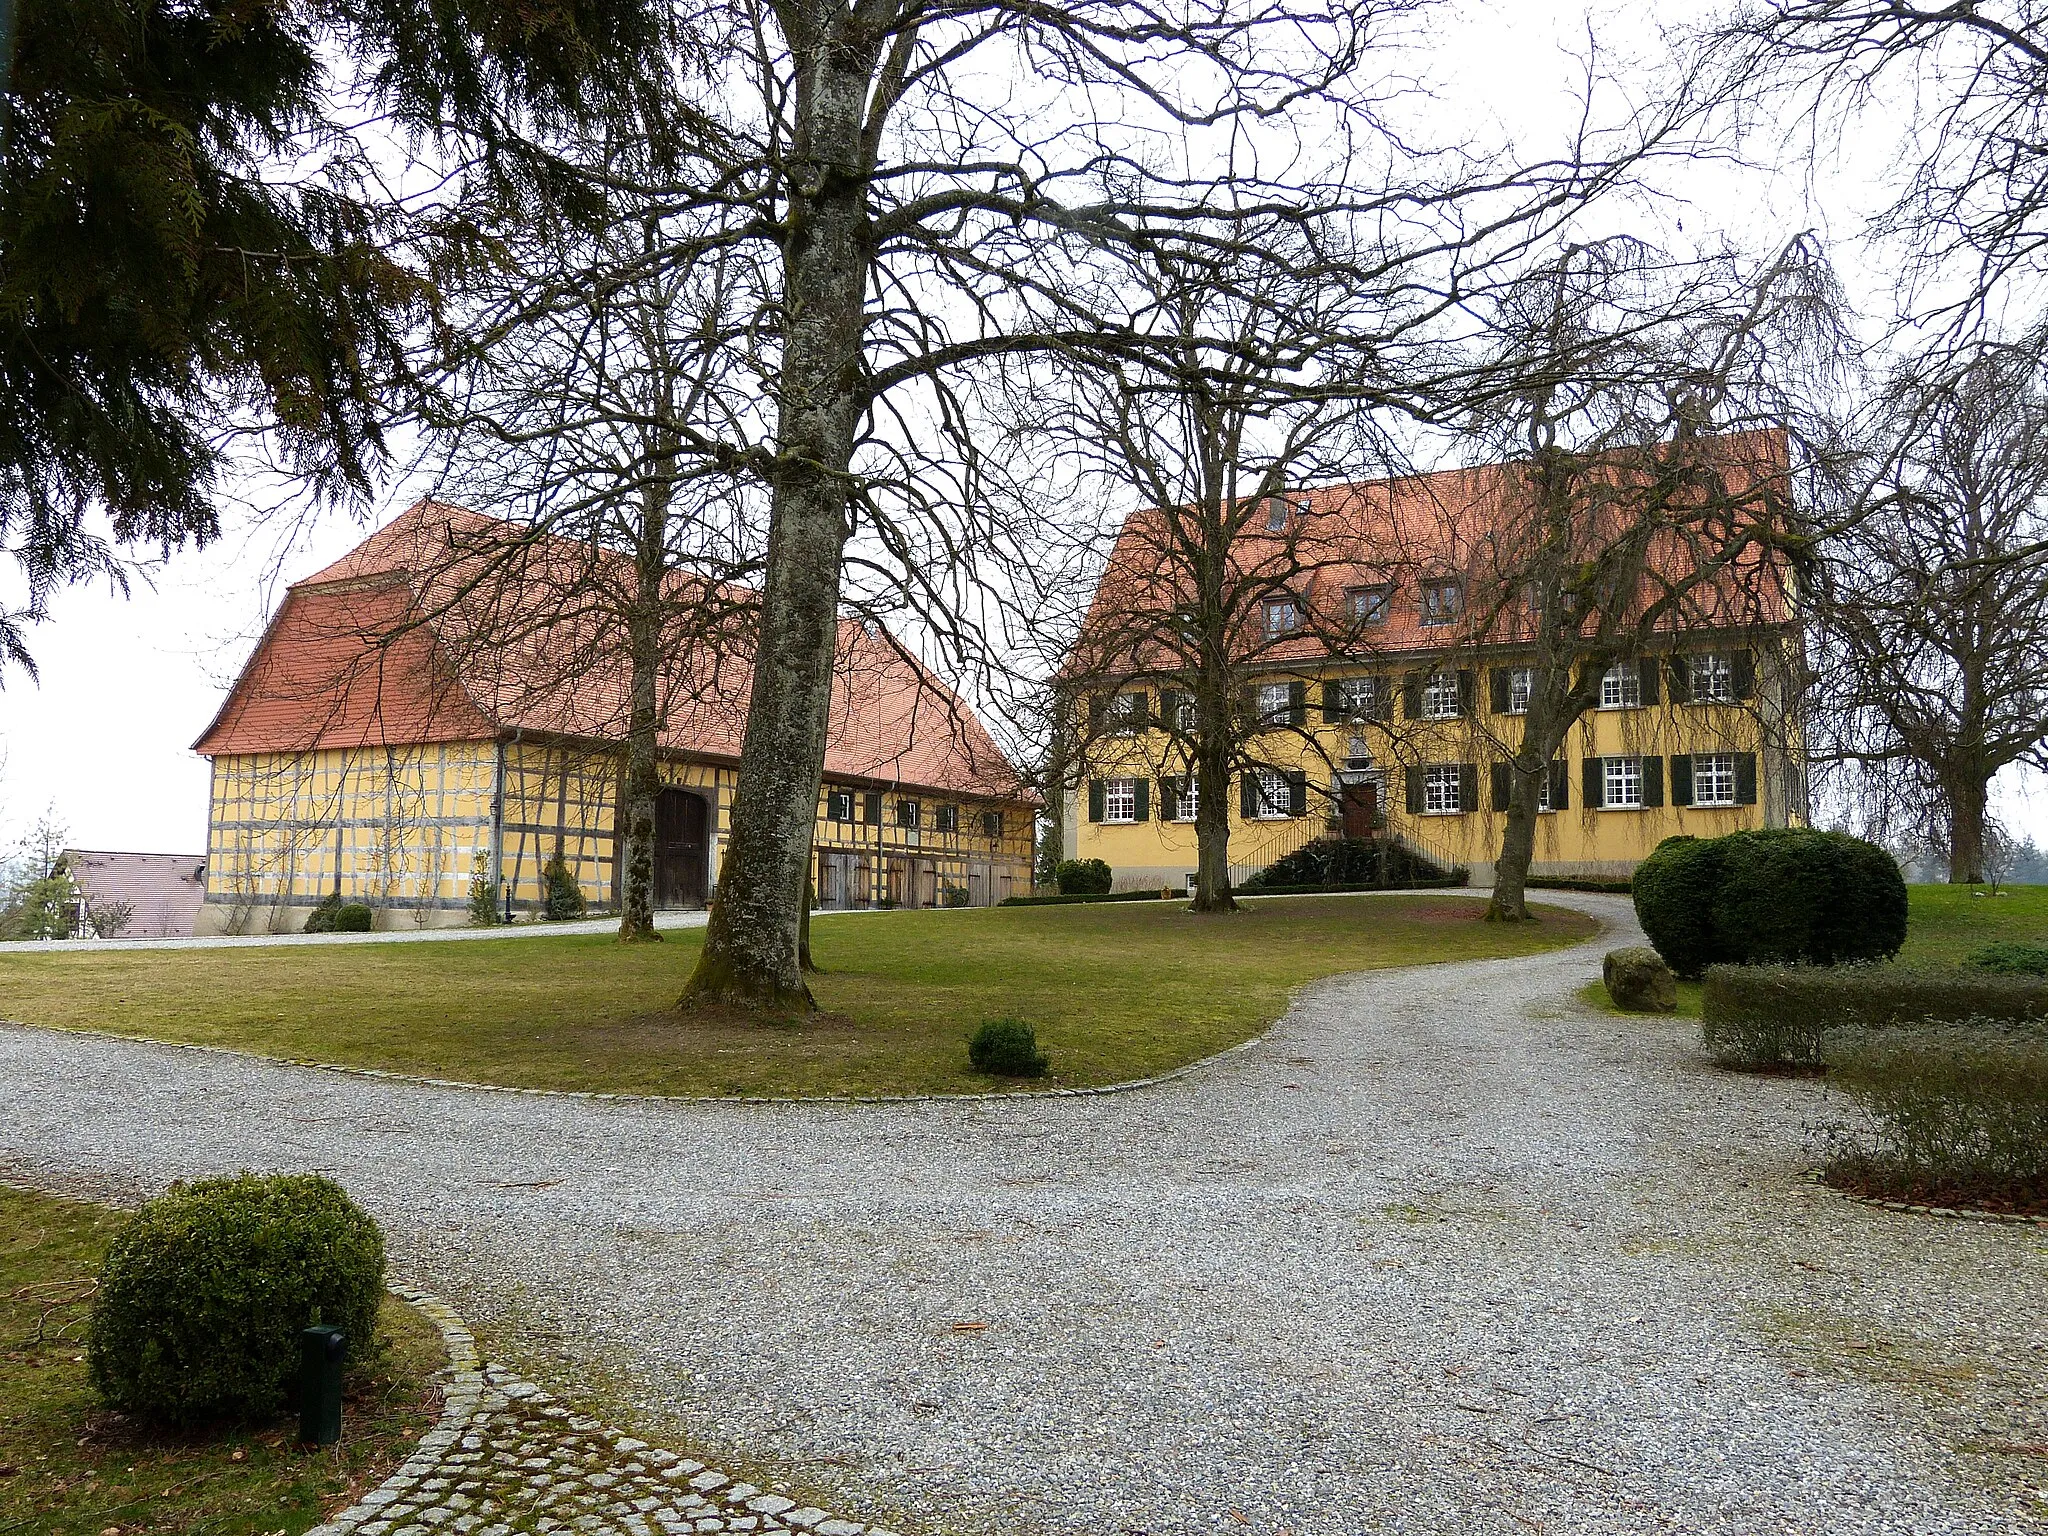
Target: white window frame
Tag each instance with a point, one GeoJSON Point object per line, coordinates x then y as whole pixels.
{"type": "Point", "coordinates": [910, 814]}
{"type": "Point", "coordinates": [1187, 798]}
{"type": "Point", "coordinates": [1271, 713]}
{"type": "Point", "coordinates": [1442, 789]}
{"type": "Point", "coordinates": [1712, 678]}
{"type": "Point", "coordinates": [1521, 687]}
{"type": "Point", "coordinates": [1275, 799]}
{"type": "Point", "coordinates": [1184, 713]}
{"type": "Point", "coordinates": [1434, 617]}
{"type": "Point", "coordinates": [1617, 774]}
{"type": "Point", "coordinates": [948, 818]}
{"type": "Point", "coordinates": [1369, 604]}
{"type": "Point", "coordinates": [1276, 514]}
{"type": "Point", "coordinates": [1283, 616]}
{"type": "Point", "coordinates": [1621, 686]}
{"type": "Point", "coordinates": [1543, 792]}
{"type": "Point", "coordinates": [1440, 699]}
{"type": "Point", "coordinates": [1723, 770]}
{"type": "Point", "coordinates": [1119, 802]}
{"type": "Point", "coordinates": [1358, 698]}
{"type": "Point", "coordinates": [1121, 713]}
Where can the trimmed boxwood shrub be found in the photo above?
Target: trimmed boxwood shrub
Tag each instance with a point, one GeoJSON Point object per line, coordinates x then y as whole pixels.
{"type": "Point", "coordinates": [321, 918]}
{"type": "Point", "coordinates": [354, 918]}
{"type": "Point", "coordinates": [202, 1296]}
{"type": "Point", "coordinates": [1082, 877]}
{"type": "Point", "coordinates": [1762, 1017]}
{"type": "Point", "coordinates": [2010, 959]}
{"type": "Point", "coordinates": [1007, 1048]}
{"type": "Point", "coordinates": [1776, 895]}
{"type": "Point", "coordinates": [1953, 1113]}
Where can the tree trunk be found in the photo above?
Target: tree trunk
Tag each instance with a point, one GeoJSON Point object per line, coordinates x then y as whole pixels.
{"type": "Point", "coordinates": [751, 955]}
{"type": "Point", "coordinates": [1212, 817]}
{"type": "Point", "coordinates": [643, 777]}
{"type": "Point", "coordinates": [1517, 845]}
{"type": "Point", "coordinates": [1968, 797]}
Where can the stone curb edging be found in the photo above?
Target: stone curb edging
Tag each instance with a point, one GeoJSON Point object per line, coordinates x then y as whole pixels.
{"type": "Point", "coordinates": [460, 1400]}
{"type": "Point", "coordinates": [1946, 1212]}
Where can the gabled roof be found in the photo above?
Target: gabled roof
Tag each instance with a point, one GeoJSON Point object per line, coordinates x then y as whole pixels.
{"type": "Point", "coordinates": [1403, 532]}
{"type": "Point", "coordinates": [162, 890]}
{"type": "Point", "coordinates": [446, 625]}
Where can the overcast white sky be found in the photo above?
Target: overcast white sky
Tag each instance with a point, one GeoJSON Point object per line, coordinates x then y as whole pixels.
{"type": "Point", "coordinates": [128, 684]}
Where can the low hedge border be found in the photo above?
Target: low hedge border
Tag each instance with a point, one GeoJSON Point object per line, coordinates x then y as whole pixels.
{"type": "Point", "coordinates": [1574, 883]}
{"type": "Point", "coordinates": [1760, 1017]}
{"type": "Point", "coordinates": [1070, 901]}
{"type": "Point", "coordinates": [1451, 882]}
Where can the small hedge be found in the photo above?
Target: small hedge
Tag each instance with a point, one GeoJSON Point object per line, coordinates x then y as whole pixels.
{"type": "Point", "coordinates": [2010, 959]}
{"type": "Point", "coordinates": [1082, 877]}
{"type": "Point", "coordinates": [1778, 895]}
{"type": "Point", "coordinates": [1954, 1114]}
{"type": "Point", "coordinates": [1007, 1048]}
{"type": "Point", "coordinates": [1763, 1017]}
{"type": "Point", "coordinates": [1067, 901]}
{"type": "Point", "coordinates": [1578, 883]}
{"type": "Point", "coordinates": [1452, 881]}
{"type": "Point", "coordinates": [202, 1296]}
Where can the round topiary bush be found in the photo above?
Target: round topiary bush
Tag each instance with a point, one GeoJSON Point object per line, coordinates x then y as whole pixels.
{"type": "Point", "coordinates": [354, 918]}
{"type": "Point", "coordinates": [1007, 1048]}
{"type": "Point", "coordinates": [1792, 895]}
{"type": "Point", "coordinates": [203, 1295]}
{"type": "Point", "coordinates": [1674, 895]}
{"type": "Point", "coordinates": [1082, 877]}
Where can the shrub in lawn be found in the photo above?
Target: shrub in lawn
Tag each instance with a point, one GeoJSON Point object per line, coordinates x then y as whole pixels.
{"type": "Point", "coordinates": [483, 902]}
{"type": "Point", "coordinates": [321, 918]}
{"type": "Point", "coordinates": [1760, 1017]}
{"type": "Point", "coordinates": [564, 899]}
{"type": "Point", "coordinates": [1674, 896]}
{"type": "Point", "coordinates": [2010, 959]}
{"type": "Point", "coordinates": [1007, 1048]}
{"type": "Point", "coordinates": [202, 1296]}
{"type": "Point", "coordinates": [1953, 1113]}
{"type": "Point", "coordinates": [1081, 877]}
{"type": "Point", "coordinates": [354, 917]}
{"type": "Point", "coordinates": [1776, 895]}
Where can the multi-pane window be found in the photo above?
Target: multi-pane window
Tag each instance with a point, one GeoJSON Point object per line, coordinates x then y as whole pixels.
{"type": "Point", "coordinates": [1621, 687]}
{"type": "Point", "coordinates": [909, 814]}
{"type": "Point", "coordinates": [1357, 754]}
{"type": "Point", "coordinates": [1441, 601]}
{"type": "Point", "coordinates": [1276, 514]}
{"type": "Point", "coordinates": [1621, 782]}
{"type": "Point", "coordinates": [1713, 679]}
{"type": "Point", "coordinates": [1184, 712]}
{"type": "Point", "coordinates": [1440, 789]}
{"type": "Point", "coordinates": [1187, 799]}
{"type": "Point", "coordinates": [1276, 703]}
{"type": "Point", "coordinates": [992, 824]}
{"type": "Point", "coordinates": [1521, 684]}
{"type": "Point", "coordinates": [1543, 794]}
{"type": "Point", "coordinates": [1121, 713]}
{"type": "Point", "coordinates": [1120, 800]}
{"type": "Point", "coordinates": [1369, 605]}
{"type": "Point", "coordinates": [1283, 616]}
{"type": "Point", "coordinates": [1274, 799]}
{"type": "Point", "coordinates": [1713, 778]}
{"type": "Point", "coordinates": [949, 818]}
{"type": "Point", "coordinates": [839, 805]}
{"type": "Point", "coordinates": [1440, 696]}
{"type": "Point", "coordinates": [1358, 697]}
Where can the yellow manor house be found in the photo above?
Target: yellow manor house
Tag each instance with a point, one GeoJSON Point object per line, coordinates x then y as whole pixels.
{"type": "Point", "coordinates": [1407, 737]}
{"type": "Point", "coordinates": [377, 746]}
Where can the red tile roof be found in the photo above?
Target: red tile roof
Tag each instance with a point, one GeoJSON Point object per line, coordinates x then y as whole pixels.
{"type": "Point", "coordinates": [446, 625]}
{"type": "Point", "coordinates": [1402, 532]}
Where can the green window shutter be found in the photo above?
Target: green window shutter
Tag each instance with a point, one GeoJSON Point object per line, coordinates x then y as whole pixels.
{"type": "Point", "coordinates": [1503, 783]}
{"type": "Point", "coordinates": [1141, 709]}
{"type": "Point", "coordinates": [1560, 785]}
{"type": "Point", "coordinates": [874, 807]}
{"type": "Point", "coordinates": [1248, 705]}
{"type": "Point", "coordinates": [1383, 698]}
{"type": "Point", "coordinates": [1745, 778]}
{"type": "Point", "coordinates": [1647, 674]}
{"type": "Point", "coordinates": [1681, 678]}
{"type": "Point", "coordinates": [1097, 705]}
{"type": "Point", "coordinates": [1411, 698]}
{"type": "Point", "coordinates": [1414, 791]}
{"type": "Point", "coordinates": [1466, 692]}
{"type": "Point", "coordinates": [1095, 799]}
{"type": "Point", "coordinates": [1297, 703]}
{"type": "Point", "coordinates": [1141, 789]}
{"type": "Point", "coordinates": [1169, 709]}
{"type": "Point", "coordinates": [1681, 779]}
{"type": "Point", "coordinates": [1333, 708]}
{"type": "Point", "coordinates": [1653, 782]}
{"type": "Point", "coordinates": [1595, 785]}
{"type": "Point", "coordinates": [1297, 794]}
{"type": "Point", "coordinates": [1169, 798]}
{"type": "Point", "coordinates": [1468, 784]}
{"type": "Point", "coordinates": [1742, 675]}
{"type": "Point", "coordinates": [1247, 795]}
{"type": "Point", "coordinates": [1498, 682]}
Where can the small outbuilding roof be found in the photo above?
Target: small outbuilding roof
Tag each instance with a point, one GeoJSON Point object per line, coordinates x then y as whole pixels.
{"type": "Point", "coordinates": [161, 890]}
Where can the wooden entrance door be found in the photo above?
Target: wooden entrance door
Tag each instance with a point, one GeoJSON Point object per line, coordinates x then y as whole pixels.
{"type": "Point", "coordinates": [1361, 809]}
{"type": "Point", "coordinates": [681, 849]}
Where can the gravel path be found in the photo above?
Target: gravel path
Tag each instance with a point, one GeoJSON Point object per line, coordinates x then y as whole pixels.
{"type": "Point", "coordinates": [1446, 1252]}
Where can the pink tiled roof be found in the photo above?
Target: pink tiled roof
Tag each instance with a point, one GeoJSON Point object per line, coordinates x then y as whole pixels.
{"type": "Point", "coordinates": [163, 890]}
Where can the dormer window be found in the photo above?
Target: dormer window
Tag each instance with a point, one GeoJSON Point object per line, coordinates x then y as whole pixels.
{"type": "Point", "coordinates": [1442, 601]}
{"type": "Point", "coordinates": [1276, 514]}
{"type": "Point", "coordinates": [1283, 616]}
{"type": "Point", "coordinates": [1369, 605]}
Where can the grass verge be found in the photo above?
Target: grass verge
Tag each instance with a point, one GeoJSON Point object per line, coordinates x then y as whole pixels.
{"type": "Point", "coordinates": [1945, 922]}
{"type": "Point", "coordinates": [68, 1465]}
{"type": "Point", "coordinates": [1115, 991]}
{"type": "Point", "coordinates": [1594, 995]}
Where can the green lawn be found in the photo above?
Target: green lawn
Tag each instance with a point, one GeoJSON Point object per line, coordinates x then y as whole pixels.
{"type": "Point", "coordinates": [1948, 921]}
{"type": "Point", "coordinates": [1116, 991]}
{"type": "Point", "coordinates": [68, 1465]}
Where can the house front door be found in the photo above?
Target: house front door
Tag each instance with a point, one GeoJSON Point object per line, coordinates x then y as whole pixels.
{"type": "Point", "coordinates": [1361, 809]}
{"type": "Point", "coordinates": [681, 848]}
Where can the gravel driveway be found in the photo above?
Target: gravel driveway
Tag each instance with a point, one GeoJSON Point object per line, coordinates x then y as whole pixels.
{"type": "Point", "coordinates": [1445, 1252]}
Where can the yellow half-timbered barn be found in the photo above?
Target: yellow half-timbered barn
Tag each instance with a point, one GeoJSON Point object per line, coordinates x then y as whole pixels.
{"type": "Point", "coordinates": [381, 744]}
